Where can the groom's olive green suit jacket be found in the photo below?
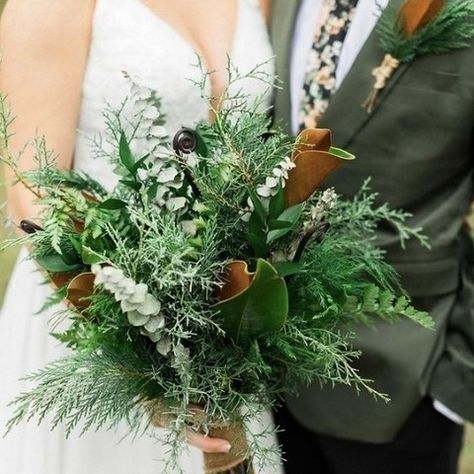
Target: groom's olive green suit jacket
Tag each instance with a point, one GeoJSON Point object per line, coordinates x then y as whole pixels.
{"type": "Point", "coordinates": [418, 148]}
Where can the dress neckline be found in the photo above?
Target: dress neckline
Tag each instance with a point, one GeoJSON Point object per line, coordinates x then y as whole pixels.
{"type": "Point", "coordinates": [184, 42]}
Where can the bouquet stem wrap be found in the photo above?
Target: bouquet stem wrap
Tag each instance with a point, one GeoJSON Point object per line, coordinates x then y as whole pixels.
{"type": "Point", "coordinates": [233, 462]}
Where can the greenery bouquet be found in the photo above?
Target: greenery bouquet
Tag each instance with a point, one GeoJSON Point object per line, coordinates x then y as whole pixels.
{"type": "Point", "coordinates": [212, 279]}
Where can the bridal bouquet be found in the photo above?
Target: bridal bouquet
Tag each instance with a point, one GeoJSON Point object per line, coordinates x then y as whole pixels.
{"type": "Point", "coordinates": [212, 278]}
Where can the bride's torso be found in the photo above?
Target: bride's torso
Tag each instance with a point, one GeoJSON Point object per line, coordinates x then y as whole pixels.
{"type": "Point", "coordinates": [129, 37]}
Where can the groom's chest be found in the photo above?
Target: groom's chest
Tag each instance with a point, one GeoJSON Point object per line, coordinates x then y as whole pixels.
{"type": "Point", "coordinates": [422, 122]}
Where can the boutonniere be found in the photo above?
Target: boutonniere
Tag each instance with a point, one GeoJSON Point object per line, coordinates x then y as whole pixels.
{"type": "Point", "coordinates": [419, 28]}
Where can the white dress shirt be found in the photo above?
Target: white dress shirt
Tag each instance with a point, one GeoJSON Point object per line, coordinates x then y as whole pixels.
{"type": "Point", "coordinates": [365, 19]}
{"type": "Point", "coordinates": [366, 16]}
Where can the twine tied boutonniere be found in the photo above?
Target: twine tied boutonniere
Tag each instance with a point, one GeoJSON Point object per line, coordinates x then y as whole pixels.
{"type": "Point", "coordinates": [419, 28]}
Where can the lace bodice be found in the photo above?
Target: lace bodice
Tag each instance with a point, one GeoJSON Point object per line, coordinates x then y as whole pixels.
{"type": "Point", "coordinates": [129, 37]}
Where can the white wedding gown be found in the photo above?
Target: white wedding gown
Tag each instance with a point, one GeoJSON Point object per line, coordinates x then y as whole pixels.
{"type": "Point", "coordinates": [127, 36]}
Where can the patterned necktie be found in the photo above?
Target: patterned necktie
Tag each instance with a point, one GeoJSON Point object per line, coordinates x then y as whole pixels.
{"type": "Point", "coordinates": [320, 77]}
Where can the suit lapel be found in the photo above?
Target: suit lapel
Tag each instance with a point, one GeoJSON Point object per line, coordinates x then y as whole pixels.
{"type": "Point", "coordinates": [345, 114]}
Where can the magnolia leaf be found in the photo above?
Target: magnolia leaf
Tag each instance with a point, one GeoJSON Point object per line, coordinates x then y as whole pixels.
{"type": "Point", "coordinates": [312, 168]}
{"type": "Point", "coordinates": [237, 279]}
{"type": "Point", "coordinates": [288, 268]}
{"type": "Point", "coordinates": [315, 159]}
{"type": "Point", "coordinates": [312, 139]}
{"type": "Point", "coordinates": [61, 280]}
{"type": "Point", "coordinates": [414, 15]}
{"type": "Point", "coordinates": [79, 289]}
{"type": "Point", "coordinates": [56, 264]}
{"type": "Point", "coordinates": [258, 302]}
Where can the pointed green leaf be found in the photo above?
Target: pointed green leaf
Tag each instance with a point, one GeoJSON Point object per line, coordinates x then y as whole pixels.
{"type": "Point", "coordinates": [257, 236]}
{"type": "Point", "coordinates": [135, 185]}
{"type": "Point", "coordinates": [139, 164]}
{"type": "Point", "coordinates": [260, 309]}
{"type": "Point", "coordinates": [342, 154]}
{"type": "Point", "coordinates": [125, 153]}
{"type": "Point", "coordinates": [152, 190]}
{"type": "Point", "coordinates": [257, 204]}
{"type": "Point", "coordinates": [276, 224]}
{"type": "Point", "coordinates": [290, 215]}
{"type": "Point", "coordinates": [277, 204]}
{"type": "Point", "coordinates": [112, 204]}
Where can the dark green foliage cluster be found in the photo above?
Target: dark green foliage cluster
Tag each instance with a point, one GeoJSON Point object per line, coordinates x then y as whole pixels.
{"type": "Point", "coordinates": [339, 278]}
{"type": "Point", "coordinates": [451, 29]}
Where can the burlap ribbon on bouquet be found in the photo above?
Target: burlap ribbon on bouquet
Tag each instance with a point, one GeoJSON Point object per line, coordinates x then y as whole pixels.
{"type": "Point", "coordinates": [233, 462]}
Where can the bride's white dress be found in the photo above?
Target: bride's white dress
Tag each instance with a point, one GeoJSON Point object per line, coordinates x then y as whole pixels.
{"type": "Point", "coordinates": [127, 36]}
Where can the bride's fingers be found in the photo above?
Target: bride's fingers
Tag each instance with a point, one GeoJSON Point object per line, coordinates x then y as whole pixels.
{"type": "Point", "coordinates": [207, 444]}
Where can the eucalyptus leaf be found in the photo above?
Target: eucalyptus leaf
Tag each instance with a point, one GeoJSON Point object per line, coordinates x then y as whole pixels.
{"type": "Point", "coordinates": [260, 309]}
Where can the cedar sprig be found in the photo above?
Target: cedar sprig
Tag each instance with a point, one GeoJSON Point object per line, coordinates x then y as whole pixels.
{"type": "Point", "coordinates": [451, 29]}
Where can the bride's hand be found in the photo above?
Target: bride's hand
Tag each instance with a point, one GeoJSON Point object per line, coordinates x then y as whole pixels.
{"type": "Point", "coordinates": [206, 443]}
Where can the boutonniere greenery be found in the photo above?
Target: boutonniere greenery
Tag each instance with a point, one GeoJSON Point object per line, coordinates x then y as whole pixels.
{"type": "Point", "coordinates": [419, 28]}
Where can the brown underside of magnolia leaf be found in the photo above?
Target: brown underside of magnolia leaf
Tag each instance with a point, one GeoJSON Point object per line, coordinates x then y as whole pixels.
{"type": "Point", "coordinates": [62, 279]}
{"type": "Point", "coordinates": [236, 279]}
{"type": "Point", "coordinates": [312, 139]}
{"type": "Point", "coordinates": [80, 287]}
{"type": "Point", "coordinates": [415, 14]}
{"type": "Point", "coordinates": [312, 168]}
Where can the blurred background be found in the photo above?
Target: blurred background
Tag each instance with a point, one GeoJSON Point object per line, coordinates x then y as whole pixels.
{"type": "Point", "coordinates": [7, 260]}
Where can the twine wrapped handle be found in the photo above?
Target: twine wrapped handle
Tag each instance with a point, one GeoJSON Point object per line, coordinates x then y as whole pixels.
{"type": "Point", "coordinates": [234, 462]}
{"type": "Point", "coordinates": [382, 74]}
